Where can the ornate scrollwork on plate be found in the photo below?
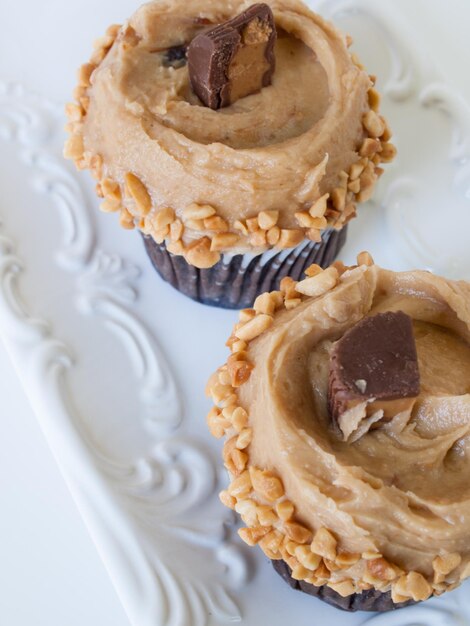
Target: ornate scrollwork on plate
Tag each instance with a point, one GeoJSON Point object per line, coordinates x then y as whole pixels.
{"type": "Point", "coordinates": [144, 511]}
{"type": "Point", "coordinates": [108, 290]}
{"type": "Point", "coordinates": [33, 123]}
{"type": "Point", "coordinates": [447, 100]}
{"type": "Point", "coordinates": [401, 82]}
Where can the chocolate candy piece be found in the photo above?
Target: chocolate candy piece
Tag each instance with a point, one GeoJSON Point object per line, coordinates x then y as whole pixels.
{"type": "Point", "coordinates": [234, 59]}
{"type": "Point", "coordinates": [375, 364]}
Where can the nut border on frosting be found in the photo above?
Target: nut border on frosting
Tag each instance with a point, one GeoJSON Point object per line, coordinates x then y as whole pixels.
{"type": "Point", "coordinates": [211, 234]}
{"type": "Point", "coordinates": [314, 555]}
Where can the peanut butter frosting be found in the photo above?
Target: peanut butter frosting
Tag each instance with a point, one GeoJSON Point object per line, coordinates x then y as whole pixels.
{"type": "Point", "coordinates": [389, 510]}
{"type": "Point", "coordinates": [270, 170]}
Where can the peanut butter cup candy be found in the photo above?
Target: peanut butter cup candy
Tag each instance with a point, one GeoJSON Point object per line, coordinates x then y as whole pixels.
{"type": "Point", "coordinates": [345, 405]}
{"type": "Point", "coordinates": [237, 137]}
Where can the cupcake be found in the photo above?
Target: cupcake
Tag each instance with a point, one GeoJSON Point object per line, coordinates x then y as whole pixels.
{"type": "Point", "coordinates": [346, 409]}
{"type": "Point", "coordinates": [238, 139]}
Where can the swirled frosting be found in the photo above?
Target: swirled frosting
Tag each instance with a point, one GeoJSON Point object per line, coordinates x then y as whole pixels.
{"type": "Point", "coordinates": [279, 150]}
{"type": "Point", "coordinates": [402, 490]}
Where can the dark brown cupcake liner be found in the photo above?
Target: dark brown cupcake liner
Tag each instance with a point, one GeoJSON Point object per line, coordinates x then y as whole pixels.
{"type": "Point", "coordinates": [371, 600]}
{"type": "Point", "coordinates": [235, 282]}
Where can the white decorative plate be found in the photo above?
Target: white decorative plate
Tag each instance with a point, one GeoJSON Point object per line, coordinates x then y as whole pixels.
{"type": "Point", "coordinates": [114, 361]}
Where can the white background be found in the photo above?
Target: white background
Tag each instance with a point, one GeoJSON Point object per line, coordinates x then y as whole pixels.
{"type": "Point", "coordinates": [50, 573]}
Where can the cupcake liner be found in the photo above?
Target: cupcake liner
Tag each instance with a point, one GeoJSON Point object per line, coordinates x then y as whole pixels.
{"type": "Point", "coordinates": [371, 600]}
{"type": "Point", "coordinates": [235, 281]}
